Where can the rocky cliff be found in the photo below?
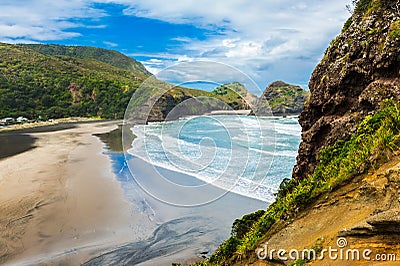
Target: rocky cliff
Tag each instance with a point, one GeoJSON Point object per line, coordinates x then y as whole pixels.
{"type": "Point", "coordinates": [235, 95]}
{"type": "Point", "coordinates": [281, 98]}
{"type": "Point", "coordinates": [359, 70]}
{"type": "Point", "coordinates": [157, 101]}
{"type": "Point", "coordinates": [344, 193]}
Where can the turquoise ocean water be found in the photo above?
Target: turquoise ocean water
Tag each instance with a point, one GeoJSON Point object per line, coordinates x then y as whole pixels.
{"type": "Point", "coordinates": [243, 154]}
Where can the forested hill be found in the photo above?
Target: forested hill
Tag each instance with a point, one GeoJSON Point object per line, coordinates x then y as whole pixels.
{"type": "Point", "coordinates": [281, 98]}
{"type": "Point", "coordinates": [54, 81]}
{"type": "Point", "coordinates": [58, 81]}
{"type": "Point", "coordinates": [110, 57]}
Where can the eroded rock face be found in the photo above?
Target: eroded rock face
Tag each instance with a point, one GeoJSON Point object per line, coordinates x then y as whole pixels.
{"type": "Point", "coordinates": [176, 102]}
{"type": "Point", "coordinates": [359, 70]}
{"type": "Point", "coordinates": [280, 98]}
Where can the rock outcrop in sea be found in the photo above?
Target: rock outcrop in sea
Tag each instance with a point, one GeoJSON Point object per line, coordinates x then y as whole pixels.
{"type": "Point", "coordinates": [157, 101]}
{"type": "Point", "coordinates": [280, 98]}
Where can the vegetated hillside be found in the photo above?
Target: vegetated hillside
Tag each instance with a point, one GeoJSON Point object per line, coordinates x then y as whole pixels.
{"type": "Point", "coordinates": [152, 104]}
{"type": "Point", "coordinates": [53, 81]}
{"type": "Point", "coordinates": [235, 95]}
{"type": "Point", "coordinates": [346, 182]}
{"type": "Point", "coordinates": [33, 84]}
{"type": "Point", "coordinates": [281, 98]}
{"type": "Point", "coordinates": [110, 57]}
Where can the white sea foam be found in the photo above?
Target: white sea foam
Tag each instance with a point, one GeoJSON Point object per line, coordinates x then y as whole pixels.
{"type": "Point", "coordinates": [231, 152]}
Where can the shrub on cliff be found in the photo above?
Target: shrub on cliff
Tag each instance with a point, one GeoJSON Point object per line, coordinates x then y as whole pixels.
{"type": "Point", "coordinates": [376, 138]}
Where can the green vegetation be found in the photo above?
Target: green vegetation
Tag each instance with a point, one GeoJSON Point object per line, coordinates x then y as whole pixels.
{"type": "Point", "coordinates": [287, 97]}
{"type": "Point", "coordinates": [232, 94]}
{"type": "Point", "coordinates": [363, 6]}
{"type": "Point", "coordinates": [241, 226]}
{"type": "Point", "coordinates": [109, 57]}
{"type": "Point", "coordinates": [376, 138]}
{"type": "Point", "coordinates": [53, 81]}
{"type": "Point", "coordinates": [169, 96]}
{"type": "Point", "coordinates": [237, 88]}
{"type": "Point", "coordinates": [347, 24]}
{"type": "Point", "coordinates": [317, 246]}
{"type": "Point", "coordinates": [360, 7]}
{"type": "Point", "coordinates": [394, 31]}
{"type": "Point", "coordinates": [299, 262]}
{"type": "Point", "coordinates": [34, 85]}
{"type": "Point", "coordinates": [280, 97]}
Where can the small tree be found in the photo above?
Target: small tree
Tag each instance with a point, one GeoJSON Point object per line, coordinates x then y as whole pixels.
{"type": "Point", "coordinates": [241, 226]}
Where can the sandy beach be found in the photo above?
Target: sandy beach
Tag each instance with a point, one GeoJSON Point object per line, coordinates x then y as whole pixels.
{"type": "Point", "coordinates": [63, 201]}
{"type": "Point", "coordinates": [171, 233]}
{"type": "Point", "coordinates": [59, 197]}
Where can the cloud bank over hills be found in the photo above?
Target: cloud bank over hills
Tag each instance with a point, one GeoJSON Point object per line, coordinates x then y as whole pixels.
{"type": "Point", "coordinates": [267, 40]}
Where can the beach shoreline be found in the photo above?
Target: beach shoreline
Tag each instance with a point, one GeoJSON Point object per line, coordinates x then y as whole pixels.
{"type": "Point", "coordinates": [60, 195]}
{"type": "Point", "coordinates": [65, 201]}
{"type": "Point", "coordinates": [50, 125]}
{"type": "Point", "coordinates": [175, 233]}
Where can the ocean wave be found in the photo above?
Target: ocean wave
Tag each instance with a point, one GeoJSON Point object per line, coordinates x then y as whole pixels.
{"type": "Point", "coordinates": [244, 187]}
{"type": "Point", "coordinates": [243, 167]}
{"type": "Point", "coordinates": [285, 153]}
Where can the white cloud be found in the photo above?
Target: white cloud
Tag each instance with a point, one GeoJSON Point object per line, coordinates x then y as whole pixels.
{"type": "Point", "coordinates": [41, 20]}
{"type": "Point", "coordinates": [244, 49]}
{"type": "Point", "coordinates": [185, 58]}
{"type": "Point", "coordinates": [266, 39]}
{"type": "Point", "coordinates": [153, 70]}
{"type": "Point", "coordinates": [181, 39]}
{"type": "Point", "coordinates": [156, 61]}
{"type": "Point", "coordinates": [110, 44]}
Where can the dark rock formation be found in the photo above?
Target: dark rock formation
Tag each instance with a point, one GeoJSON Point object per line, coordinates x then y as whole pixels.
{"type": "Point", "coordinates": [171, 107]}
{"type": "Point", "coordinates": [280, 98]}
{"type": "Point", "coordinates": [157, 101]}
{"type": "Point", "coordinates": [359, 70]}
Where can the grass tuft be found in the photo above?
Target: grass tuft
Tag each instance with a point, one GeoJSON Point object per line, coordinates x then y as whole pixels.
{"type": "Point", "coordinates": [376, 138]}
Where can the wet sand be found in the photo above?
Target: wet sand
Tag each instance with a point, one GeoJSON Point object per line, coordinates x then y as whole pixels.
{"type": "Point", "coordinates": [167, 232]}
{"type": "Point", "coordinates": [60, 201]}
{"type": "Point", "coordinates": [13, 144]}
{"type": "Point", "coordinates": [178, 218]}
{"type": "Point", "coordinates": [14, 141]}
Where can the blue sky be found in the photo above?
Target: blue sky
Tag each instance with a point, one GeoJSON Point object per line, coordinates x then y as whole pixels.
{"type": "Point", "coordinates": [266, 40]}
